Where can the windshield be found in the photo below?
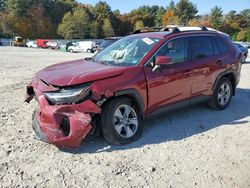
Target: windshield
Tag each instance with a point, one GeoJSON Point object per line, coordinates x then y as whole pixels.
{"type": "Point", "coordinates": [128, 51]}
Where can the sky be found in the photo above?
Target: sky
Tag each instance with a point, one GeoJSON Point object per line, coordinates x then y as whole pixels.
{"type": "Point", "coordinates": [204, 6]}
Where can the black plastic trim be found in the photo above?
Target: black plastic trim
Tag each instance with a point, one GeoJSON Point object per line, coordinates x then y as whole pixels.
{"type": "Point", "coordinates": [133, 93]}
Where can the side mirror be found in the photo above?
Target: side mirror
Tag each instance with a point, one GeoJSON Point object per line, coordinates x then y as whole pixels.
{"type": "Point", "coordinates": [163, 60]}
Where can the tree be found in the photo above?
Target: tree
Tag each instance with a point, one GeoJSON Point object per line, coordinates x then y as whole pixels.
{"type": "Point", "coordinates": [139, 25]}
{"type": "Point", "coordinates": [242, 35]}
{"type": "Point", "coordinates": [36, 25]}
{"type": "Point", "coordinates": [169, 18]}
{"type": "Point", "coordinates": [101, 11]}
{"type": "Point", "coordinates": [246, 15]}
{"type": "Point", "coordinates": [75, 25]}
{"type": "Point", "coordinates": [203, 20]}
{"type": "Point", "coordinates": [248, 34]}
{"type": "Point", "coordinates": [108, 30]}
{"type": "Point", "coordinates": [146, 14]}
{"type": "Point", "coordinates": [186, 11]}
{"type": "Point", "coordinates": [158, 17]}
{"type": "Point", "coordinates": [216, 17]}
{"type": "Point", "coordinates": [122, 25]}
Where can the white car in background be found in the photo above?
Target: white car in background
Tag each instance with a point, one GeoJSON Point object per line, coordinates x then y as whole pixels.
{"type": "Point", "coordinates": [83, 46]}
{"type": "Point", "coordinates": [31, 44]}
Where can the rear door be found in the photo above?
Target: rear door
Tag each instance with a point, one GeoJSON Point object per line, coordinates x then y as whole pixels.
{"type": "Point", "coordinates": [172, 83]}
{"type": "Point", "coordinates": [206, 60]}
{"type": "Point", "coordinates": [202, 59]}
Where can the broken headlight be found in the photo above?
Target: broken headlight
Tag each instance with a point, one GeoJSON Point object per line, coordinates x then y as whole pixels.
{"type": "Point", "coordinates": [68, 95]}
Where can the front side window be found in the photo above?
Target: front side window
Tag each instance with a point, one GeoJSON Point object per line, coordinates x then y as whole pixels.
{"type": "Point", "coordinates": [128, 51]}
{"type": "Point", "coordinates": [176, 49]}
{"type": "Point", "coordinates": [201, 47]}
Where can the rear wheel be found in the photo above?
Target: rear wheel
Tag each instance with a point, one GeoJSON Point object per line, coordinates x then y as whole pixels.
{"type": "Point", "coordinates": [222, 94]}
{"type": "Point", "coordinates": [71, 51]}
{"type": "Point", "coordinates": [121, 121]}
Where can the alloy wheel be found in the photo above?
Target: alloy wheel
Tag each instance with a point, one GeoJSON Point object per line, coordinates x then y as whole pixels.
{"type": "Point", "coordinates": [125, 121]}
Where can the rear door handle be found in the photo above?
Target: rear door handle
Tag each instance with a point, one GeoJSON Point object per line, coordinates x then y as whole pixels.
{"type": "Point", "coordinates": [187, 72]}
{"type": "Point", "coordinates": [219, 62]}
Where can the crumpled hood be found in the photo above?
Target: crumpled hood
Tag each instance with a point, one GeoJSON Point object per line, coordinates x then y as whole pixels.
{"type": "Point", "coordinates": [77, 72]}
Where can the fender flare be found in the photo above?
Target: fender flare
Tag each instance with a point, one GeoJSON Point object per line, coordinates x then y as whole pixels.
{"type": "Point", "coordinates": [223, 74]}
{"type": "Point", "coordinates": [134, 94]}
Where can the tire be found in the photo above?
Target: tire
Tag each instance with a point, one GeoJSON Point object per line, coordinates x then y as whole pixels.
{"type": "Point", "coordinates": [116, 128]}
{"type": "Point", "coordinates": [88, 50]}
{"type": "Point", "coordinates": [221, 97]}
{"type": "Point", "coordinates": [71, 51]}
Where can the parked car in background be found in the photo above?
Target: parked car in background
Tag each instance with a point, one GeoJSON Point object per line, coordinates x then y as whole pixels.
{"type": "Point", "coordinates": [107, 42]}
{"type": "Point", "coordinates": [244, 51]}
{"type": "Point", "coordinates": [67, 45]}
{"type": "Point", "coordinates": [31, 44]}
{"type": "Point", "coordinates": [18, 41]}
{"type": "Point", "coordinates": [83, 46]}
{"type": "Point", "coordinates": [42, 43]}
{"type": "Point", "coordinates": [247, 44]}
{"type": "Point", "coordinates": [137, 77]}
{"type": "Point", "coordinates": [53, 45]}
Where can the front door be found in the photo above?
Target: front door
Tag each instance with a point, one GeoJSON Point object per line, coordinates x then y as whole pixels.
{"type": "Point", "coordinates": [171, 83]}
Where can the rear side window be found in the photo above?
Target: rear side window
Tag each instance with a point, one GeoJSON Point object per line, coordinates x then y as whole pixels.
{"type": "Point", "coordinates": [221, 44]}
{"type": "Point", "coordinates": [201, 47]}
{"type": "Point", "coordinates": [215, 46]}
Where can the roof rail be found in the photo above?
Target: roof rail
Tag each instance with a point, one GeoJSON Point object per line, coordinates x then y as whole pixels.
{"type": "Point", "coordinates": [147, 29]}
{"type": "Point", "coordinates": [175, 29]}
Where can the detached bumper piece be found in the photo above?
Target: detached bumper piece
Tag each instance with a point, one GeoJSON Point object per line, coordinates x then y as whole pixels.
{"type": "Point", "coordinates": [62, 125]}
{"type": "Point", "coordinates": [68, 132]}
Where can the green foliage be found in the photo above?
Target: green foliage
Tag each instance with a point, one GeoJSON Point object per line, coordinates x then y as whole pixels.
{"type": "Point", "coordinates": [186, 11]}
{"type": "Point", "coordinates": [158, 17]}
{"type": "Point", "coordinates": [248, 34]}
{"type": "Point", "coordinates": [108, 30]}
{"type": "Point", "coordinates": [75, 25]}
{"type": "Point", "coordinates": [242, 36]}
{"type": "Point", "coordinates": [139, 25]}
{"type": "Point", "coordinates": [149, 15]}
{"type": "Point", "coordinates": [216, 17]}
{"type": "Point", "coordinates": [101, 11]}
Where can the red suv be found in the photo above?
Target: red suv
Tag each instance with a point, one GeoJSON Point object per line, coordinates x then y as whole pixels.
{"type": "Point", "coordinates": [138, 76]}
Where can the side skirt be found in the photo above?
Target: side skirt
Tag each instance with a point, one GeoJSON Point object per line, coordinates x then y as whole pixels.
{"type": "Point", "coordinates": [178, 105]}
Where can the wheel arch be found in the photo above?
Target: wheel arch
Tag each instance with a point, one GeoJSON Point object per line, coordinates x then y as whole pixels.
{"type": "Point", "coordinates": [229, 75]}
{"type": "Point", "coordinates": [131, 94]}
{"type": "Point", "coordinates": [134, 95]}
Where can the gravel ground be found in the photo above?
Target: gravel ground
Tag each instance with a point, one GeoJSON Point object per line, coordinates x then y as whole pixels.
{"type": "Point", "coordinates": [195, 147]}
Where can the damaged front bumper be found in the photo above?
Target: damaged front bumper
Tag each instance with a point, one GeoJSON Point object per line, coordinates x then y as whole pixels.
{"type": "Point", "coordinates": [61, 125]}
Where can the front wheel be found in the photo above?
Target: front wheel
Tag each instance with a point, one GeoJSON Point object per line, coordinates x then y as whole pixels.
{"type": "Point", "coordinates": [71, 51]}
{"type": "Point", "coordinates": [222, 94]}
{"type": "Point", "coordinates": [121, 122]}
